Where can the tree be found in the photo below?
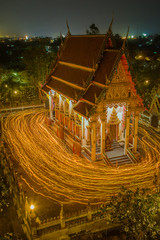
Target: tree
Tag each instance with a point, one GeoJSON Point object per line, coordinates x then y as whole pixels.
{"type": "Point", "coordinates": [38, 64]}
{"type": "Point", "coordinates": [4, 189]}
{"type": "Point", "coordinates": [10, 83]}
{"type": "Point", "coordinates": [93, 30]}
{"type": "Point", "coordinates": [136, 212]}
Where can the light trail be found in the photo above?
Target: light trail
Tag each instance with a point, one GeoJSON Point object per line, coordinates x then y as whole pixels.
{"type": "Point", "coordinates": [52, 171]}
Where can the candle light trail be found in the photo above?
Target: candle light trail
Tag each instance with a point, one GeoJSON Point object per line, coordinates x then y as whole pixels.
{"type": "Point", "coordinates": [52, 171]}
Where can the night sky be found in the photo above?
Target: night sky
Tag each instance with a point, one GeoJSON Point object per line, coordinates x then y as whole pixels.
{"type": "Point", "coordinates": [48, 17]}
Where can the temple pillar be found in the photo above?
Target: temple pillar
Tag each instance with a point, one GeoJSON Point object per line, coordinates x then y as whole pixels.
{"type": "Point", "coordinates": [82, 127]}
{"type": "Point", "coordinates": [50, 106]}
{"type": "Point", "coordinates": [80, 132]}
{"type": "Point", "coordinates": [64, 106]}
{"type": "Point", "coordinates": [57, 114]}
{"type": "Point", "coordinates": [77, 130]}
{"type": "Point", "coordinates": [71, 125]}
{"type": "Point", "coordinates": [117, 132]}
{"type": "Point", "coordinates": [135, 133]}
{"type": "Point", "coordinates": [103, 127]}
{"type": "Point", "coordinates": [88, 135]}
{"type": "Point", "coordinates": [57, 109]}
{"type": "Point", "coordinates": [127, 133]}
{"type": "Point", "coordinates": [62, 220]}
{"type": "Point", "coordinates": [60, 103]}
{"type": "Point", "coordinates": [93, 140]}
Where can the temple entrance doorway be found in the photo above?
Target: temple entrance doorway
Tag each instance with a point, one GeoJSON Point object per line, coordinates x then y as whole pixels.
{"type": "Point", "coordinates": [113, 129]}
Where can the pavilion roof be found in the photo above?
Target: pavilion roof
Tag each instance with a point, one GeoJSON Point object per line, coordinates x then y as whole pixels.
{"type": "Point", "coordinates": [84, 67]}
{"type": "Point", "coordinates": [92, 94]}
{"type": "Point", "coordinates": [45, 88]}
{"type": "Point", "coordinates": [75, 65]}
{"type": "Point", "coordinates": [82, 50]}
{"type": "Point", "coordinates": [68, 91]}
{"type": "Point", "coordinates": [83, 108]}
{"type": "Point", "coordinates": [106, 65]}
{"type": "Point", "coordinates": [72, 75]}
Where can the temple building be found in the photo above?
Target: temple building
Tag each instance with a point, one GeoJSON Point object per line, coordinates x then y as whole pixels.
{"type": "Point", "coordinates": [92, 95]}
{"type": "Point", "coordinates": [155, 109]}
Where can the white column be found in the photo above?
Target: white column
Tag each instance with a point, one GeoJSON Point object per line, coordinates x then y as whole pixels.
{"type": "Point", "coordinates": [135, 133]}
{"type": "Point", "coordinates": [82, 125]}
{"type": "Point", "coordinates": [127, 133]}
{"type": "Point", "coordinates": [88, 137]}
{"type": "Point", "coordinates": [50, 105]}
{"type": "Point", "coordinates": [93, 141]}
{"type": "Point", "coordinates": [103, 126]}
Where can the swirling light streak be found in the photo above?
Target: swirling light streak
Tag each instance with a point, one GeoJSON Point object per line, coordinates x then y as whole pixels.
{"type": "Point", "coordinates": [52, 171]}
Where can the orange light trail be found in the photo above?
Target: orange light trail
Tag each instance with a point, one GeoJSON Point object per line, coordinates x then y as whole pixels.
{"type": "Point", "coordinates": [54, 172]}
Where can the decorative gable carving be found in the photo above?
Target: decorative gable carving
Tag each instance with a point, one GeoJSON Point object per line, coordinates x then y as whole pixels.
{"type": "Point", "coordinates": [120, 75]}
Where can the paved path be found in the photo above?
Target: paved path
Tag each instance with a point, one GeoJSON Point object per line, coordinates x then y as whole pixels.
{"type": "Point", "coordinates": [53, 172]}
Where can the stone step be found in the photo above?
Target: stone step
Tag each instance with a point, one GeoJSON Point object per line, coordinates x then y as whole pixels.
{"type": "Point", "coordinates": [119, 157]}
{"type": "Point", "coordinates": [120, 163]}
{"type": "Point", "coordinates": [120, 160]}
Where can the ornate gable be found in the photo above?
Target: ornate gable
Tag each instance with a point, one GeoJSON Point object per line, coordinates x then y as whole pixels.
{"type": "Point", "coordinates": [120, 76]}
{"type": "Point", "coordinates": [119, 88]}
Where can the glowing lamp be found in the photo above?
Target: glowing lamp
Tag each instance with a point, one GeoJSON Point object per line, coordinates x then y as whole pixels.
{"type": "Point", "coordinates": [32, 207]}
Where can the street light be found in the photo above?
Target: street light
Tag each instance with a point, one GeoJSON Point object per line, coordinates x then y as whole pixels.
{"type": "Point", "coordinates": [32, 207]}
{"type": "Point", "coordinates": [146, 82]}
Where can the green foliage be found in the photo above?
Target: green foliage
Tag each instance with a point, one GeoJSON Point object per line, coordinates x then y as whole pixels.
{"type": "Point", "coordinates": [8, 236]}
{"type": "Point", "coordinates": [10, 85]}
{"type": "Point", "coordinates": [148, 77]}
{"type": "Point", "coordinates": [154, 121]}
{"type": "Point", "coordinates": [93, 29]}
{"type": "Point", "coordinates": [38, 64]}
{"type": "Point", "coordinates": [136, 212]}
{"type": "Point", "coordinates": [4, 191]}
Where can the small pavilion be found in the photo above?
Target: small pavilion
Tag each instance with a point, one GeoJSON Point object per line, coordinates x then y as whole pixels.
{"type": "Point", "coordinates": [155, 109]}
{"type": "Point", "coordinates": [92, 95]}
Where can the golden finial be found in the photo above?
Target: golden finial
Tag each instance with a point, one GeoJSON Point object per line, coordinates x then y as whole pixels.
{"type": "Point", "coordinates": [124, 42]}
{"type": "Point", "coordinates": [110, 26]}
{"type": "Point", "coordinates": [61, 37]}
{"type": "Point", "coordinates": [75, 94]}
{"type": "Point", "coordinates": [95, 97]}
{"type": "Point", "coordinates": [69, 33]}
{"type": "Point", "coordinates": [86, 111]}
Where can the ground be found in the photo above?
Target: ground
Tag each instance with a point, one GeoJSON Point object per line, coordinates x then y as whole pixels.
{"type": "Point", "coordinates": [51, 175]}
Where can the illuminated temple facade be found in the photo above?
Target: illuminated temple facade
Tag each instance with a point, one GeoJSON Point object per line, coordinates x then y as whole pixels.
{"type": "Point", "coordinates": [92, 95]}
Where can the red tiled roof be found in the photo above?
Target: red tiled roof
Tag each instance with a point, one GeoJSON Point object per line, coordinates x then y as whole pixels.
{"type": "Point", "coordinates": [92, 93]}
{"type": "Point", "coordinates": [72, 75]}
{"type": "Point", "coordinates": [82, 50]}
{"type": "Point", "coordinates": [83, 108]}
{"type": "Point", "coordinates": [64, 89]}
{"type": "Point", "coordinates": [45, 88]}
{"type": "Point", "coordinates": [105, 66]}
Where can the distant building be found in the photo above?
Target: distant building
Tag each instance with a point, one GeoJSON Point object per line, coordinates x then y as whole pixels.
{"type": "Point", "coordinates": [93, 95]}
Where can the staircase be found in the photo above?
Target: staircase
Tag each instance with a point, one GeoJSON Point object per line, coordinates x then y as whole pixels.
{"type": "Point", "coordinates": [116, 155]}
{"type": "Point", "coordinates": [120, 160]}
{"type": "Point", "coordinates": [115, 145]}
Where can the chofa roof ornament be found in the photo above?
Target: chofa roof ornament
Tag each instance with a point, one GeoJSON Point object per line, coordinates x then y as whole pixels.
{"type": "Point", "coordinates": [68, 33]}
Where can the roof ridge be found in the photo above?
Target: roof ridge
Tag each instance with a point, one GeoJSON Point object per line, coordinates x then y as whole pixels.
{"type": "Point", "coordinates": [91, 35]}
